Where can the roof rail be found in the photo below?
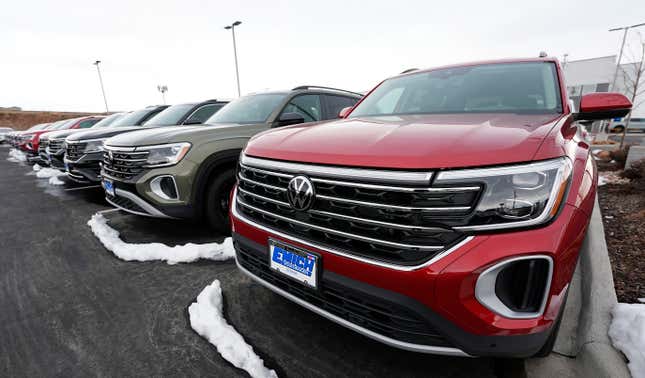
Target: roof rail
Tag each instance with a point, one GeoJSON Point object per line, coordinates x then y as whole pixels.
{"type": "Point", "coordinates": [409, 70]}
{"type": "Point", "coordinates": [329, 88]}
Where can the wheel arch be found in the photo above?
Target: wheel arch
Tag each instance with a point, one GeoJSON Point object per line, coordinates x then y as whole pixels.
{"type": "Point", "coordinates": [209, 169]}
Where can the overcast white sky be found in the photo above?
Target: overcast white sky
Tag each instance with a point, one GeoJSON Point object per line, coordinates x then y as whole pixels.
{"type": "Point", "coordinates": [47, 47]}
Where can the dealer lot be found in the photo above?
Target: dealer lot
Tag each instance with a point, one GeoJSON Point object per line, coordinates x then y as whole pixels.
{"type": "Point", "coordinates": [71, 308]}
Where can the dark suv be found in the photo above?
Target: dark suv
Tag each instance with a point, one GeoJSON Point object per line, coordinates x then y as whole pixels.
{"type": "Point", "coordinates": [186, 172]}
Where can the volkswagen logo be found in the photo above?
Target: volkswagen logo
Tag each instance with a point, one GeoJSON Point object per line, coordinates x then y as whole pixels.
{"type": "Point", "coordinates": [301, 193]}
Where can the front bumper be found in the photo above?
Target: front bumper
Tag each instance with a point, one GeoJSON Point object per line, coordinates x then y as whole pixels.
{"type": "Point", "coordinates": [441, 294]}
{"type": "Point", "coordinates": [86, 169]}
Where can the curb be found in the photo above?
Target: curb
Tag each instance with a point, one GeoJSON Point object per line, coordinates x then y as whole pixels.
{"type": "Point", "coordinates": [583, 347]}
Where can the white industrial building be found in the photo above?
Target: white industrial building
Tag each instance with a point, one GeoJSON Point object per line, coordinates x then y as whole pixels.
{"type": "Point", "coordinates": [596, 75]}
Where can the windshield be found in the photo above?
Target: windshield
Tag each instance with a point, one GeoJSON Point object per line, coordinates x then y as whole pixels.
{"type": "Point", "coordinates": [131, 119]}
{"type": "Point", "coordinates": [170, 116]}
{"type": "Point", "coordinates": [248, 109]}
{"type": "Point", "coordinates": [66, 124]}
{"type": "Point", "coordinates": [524, 88]}
{"type": "Point", "coordinates": [107, 121]}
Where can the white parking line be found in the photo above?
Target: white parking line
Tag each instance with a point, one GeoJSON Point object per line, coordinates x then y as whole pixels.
{"type": "Point", "coordinates": [107, 211]}
{"type": "Point", "coordinates": [83, 187]}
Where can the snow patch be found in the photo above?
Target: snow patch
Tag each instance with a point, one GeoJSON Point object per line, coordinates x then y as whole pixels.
{"type": "Point", "coordinates": [627, 332]}
{"type": "Point", "coordinates": [54, 180]}
{"type": "Point", "coordinates": [37, 167]}
{"type": "Point", "coordinates": [48, 172]}
{"type": "Point", "coordinates": [157, 251]}
{"type": "Point", "coordinates": [611, 178]}
{"type": "Point", "coordinates": [16, 156]}
{"type": "Point", "coordinates": [207, 320]}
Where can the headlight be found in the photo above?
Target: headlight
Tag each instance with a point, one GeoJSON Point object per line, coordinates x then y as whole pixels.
{"type": "Point", "coordinates": [514, 196]}
{"type": "Point", "coordinates": [93, 145]}
{"type": "Point", "coordinates": [165, 154]}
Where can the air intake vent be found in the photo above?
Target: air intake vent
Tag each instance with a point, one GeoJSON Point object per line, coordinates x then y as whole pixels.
{"type": "Point", "coordinates": [521, 284]}
{"type": "Point", "coordinates": [516, 288]}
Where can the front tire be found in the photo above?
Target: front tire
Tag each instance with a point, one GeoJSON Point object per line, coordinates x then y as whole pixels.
{"type": "Point", "coordinates": [217, 201]}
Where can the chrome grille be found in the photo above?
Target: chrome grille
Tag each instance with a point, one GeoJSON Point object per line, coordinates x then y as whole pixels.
{"type": "Point", "coordinates": [42, 146]}
{"type": "Point", "coordinates": [396, 217]}
{"type": "Point", "coordinates": [56, 145]}
{"type": "Point", "coordinates": [122, 164]}
{"type": "Point", "coordinates": [74, 151]}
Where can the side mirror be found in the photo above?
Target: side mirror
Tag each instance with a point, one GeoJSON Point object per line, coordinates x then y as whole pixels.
{"type": "Point", "coordinates": [290, 119]}
{"type": "Point", "coordinates": [597, 106]}
{"type": "Point", "coordinates": [193, 121]}
{"type": "Point", "coordinates": [344, 112]}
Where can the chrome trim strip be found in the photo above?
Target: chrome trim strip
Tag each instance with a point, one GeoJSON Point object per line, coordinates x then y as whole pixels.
{"type": "Point", "coordinates": [472, 173]}
{"type": "Point", "coordinates": [122, 149]}
{"type": "Point", "coordinates": [395, 207]}
{"type": "Point", "coordinates": [398, 188]}
{"type": "Point", "coordinates": [485, 289]}
{"type": "Point", "coordinates": [394, 176]}
{"type": "Point", "coordinates": [295, 239]}
{"type": "Point", "coordinates": [261, 184]}
{"type": "Point", "coordinates": [152, 212]}
{"type": "Point", "coordinates": [347, 217]}
{"type": "Point", "coordinates": [266, 172]}
{"type": "Point", "coordinates": [342, 233]}
{"type": "Point", "coordinates": [446, 351]}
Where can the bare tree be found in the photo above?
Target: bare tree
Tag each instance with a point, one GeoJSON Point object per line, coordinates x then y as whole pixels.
{"type": "Point", "coordinates": [634, 79]}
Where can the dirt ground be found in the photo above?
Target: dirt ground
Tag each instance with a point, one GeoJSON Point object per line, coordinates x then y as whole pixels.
{"type": "Point", "coordinates": [623, 212]}
{"type": "Point", "coordinates": [22, 120]}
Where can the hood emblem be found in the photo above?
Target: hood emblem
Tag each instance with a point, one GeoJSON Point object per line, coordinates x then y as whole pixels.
{"type": "Point", "coordinates": [301, 193]}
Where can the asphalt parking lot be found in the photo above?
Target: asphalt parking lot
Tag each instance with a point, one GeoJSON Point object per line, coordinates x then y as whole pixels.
{"type": "Point", "coordinates": [71, 308]}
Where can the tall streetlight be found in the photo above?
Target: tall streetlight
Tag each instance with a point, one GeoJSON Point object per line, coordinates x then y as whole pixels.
{"type": "Point", "coordinates": [98, 69]}
{"type": "Point", "coordinates": [622, 46]}
{"type": "Point", "coordinates": [163, 89]}
{"type": "Point", "coordinates": [237, 72]}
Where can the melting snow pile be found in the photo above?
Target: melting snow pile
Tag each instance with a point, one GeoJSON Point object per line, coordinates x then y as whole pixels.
{"type": "Point", "coordinates": [50, 173]}
{"type": "Point", "coordinates": [157, 251]}
{"type": "Point", "coordinates": [627, 332]}
{"type": "Point", "coordinates": [16, 156]}
{"type": "Point", "coordinates": [611, 178]}
{"type": "Point", "coordinates": [207, 320]}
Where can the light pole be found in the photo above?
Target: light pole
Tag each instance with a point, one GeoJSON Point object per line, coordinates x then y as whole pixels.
{"type": "Point", "coordinates": [163, 89]}
{"type": "Point", "coordinates": [622, 46]}
{"type": "Point", "coordinates": [98, 69]}
{"type": "Point", "coordinates": [237, 72]}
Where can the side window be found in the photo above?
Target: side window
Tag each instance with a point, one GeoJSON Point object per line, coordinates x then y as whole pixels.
{"type": "Point", "coordinates": [337, 103]}
{"type": "Point", "coordinates": [308, 106]}
{"type": "Point", "coordinates": [203, 113]}
{"type": "Point", "coordinates": [88, 123]}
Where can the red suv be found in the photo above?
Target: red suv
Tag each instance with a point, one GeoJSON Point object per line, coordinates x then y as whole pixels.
{"type": "Point", "coordinates": [443, 214]}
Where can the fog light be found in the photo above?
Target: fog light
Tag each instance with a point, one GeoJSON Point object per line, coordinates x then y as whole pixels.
{"type": "Point", "coordinates": [165, 187]}
{"type": "Point", "coordinates": [516, 288]}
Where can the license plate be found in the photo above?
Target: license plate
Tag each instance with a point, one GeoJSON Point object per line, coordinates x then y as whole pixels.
{"type": "Point", "coordinates": [108, 185]}
{"type": "Point", "coordinates": [294, 263]}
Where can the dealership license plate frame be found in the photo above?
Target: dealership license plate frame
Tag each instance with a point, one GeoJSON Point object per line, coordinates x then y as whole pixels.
{"type": "Point", "coordinates": [314, 283]}
{"type": "Point", "coordinates": [107, 182]}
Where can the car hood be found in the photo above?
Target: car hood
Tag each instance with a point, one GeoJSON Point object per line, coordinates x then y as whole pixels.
{"type": "Point", "coordinates": [175, 134]}
{"type": "Point", "coordinates": [101, 133]}
{"type": "Point", "coordinates": [60, 134]}
{"type": "Point", "coordinates": [411, 141]}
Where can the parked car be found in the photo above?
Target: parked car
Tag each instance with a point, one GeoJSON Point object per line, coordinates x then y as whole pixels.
{"type": "Point", "coordinates": [14, 137]}
{"type": "Point", "coordinates": [51, 148]}
{"type": "Point", "coordinates": [29, 142]}
{"type": "Point", "coordinates": [84, 151]}
{"type": "Point", "coordinates": [617, 125]}
{"type": "Point", "coordinates": [3, 133]}
{"type": "Point", "coordinates": [187, 172]}
{"type": "Point", "coordinates": [444, 214]}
